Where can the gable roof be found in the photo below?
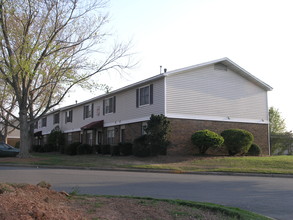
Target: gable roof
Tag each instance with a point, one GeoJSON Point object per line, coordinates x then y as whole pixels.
{"type": "Point", "coordinates": [226, 61]}
{"type": "Point", "coordinates": [231, 65]}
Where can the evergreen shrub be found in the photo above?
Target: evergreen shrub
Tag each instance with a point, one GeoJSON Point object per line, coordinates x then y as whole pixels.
{"type": "Point", "coordinates": [115, 151]}
{"type": "Point", "coordinates": [206, 139]}
{"type": "Point", "coordinates": [71, 149]}
{"type": "Point", "coordinates": [125, 148]}
{"type": "Point", "coordinates": [141, 147]}
{"type": "Point", "coordinates": [237, 141]}
{"type": "Point", "coordinates": [84, 149]}
{"type": "Point", "coordinates": [105, 149]}
{"type": "Point", "coordinates": [254, 150]}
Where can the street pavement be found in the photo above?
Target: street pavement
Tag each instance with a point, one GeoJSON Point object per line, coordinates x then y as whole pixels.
{"type": "Point", "coordinates": [270, 196]}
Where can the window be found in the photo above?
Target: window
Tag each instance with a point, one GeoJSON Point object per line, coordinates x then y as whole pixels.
{"type": "Point", "coordinates": [56, 118]}
{"type": "Point", "coordinates": [44, 122]}
{"type": "Point", "coordinates": [144, 96]}
{"type": "Point", "coordinates": [68, 116]}
{"type": "Point", "coordinates": [69, 138]}
{"type": "Point", "coordinates": [110, 135]}
{"type": "Point", "coordinates": [122, 133]}
{"type": "Point", "coordinates": [144, 125]}
{"type": "Point", "coordinates": [99, 137]}
{"type": "Point", "coordinates": [88, 111]}
{"type": "Point", "coordinates": [109, 105]}
{"type": "Point", "coordinates": [89, 137]}
{"type": "Point", "coordinates": [36, 124]}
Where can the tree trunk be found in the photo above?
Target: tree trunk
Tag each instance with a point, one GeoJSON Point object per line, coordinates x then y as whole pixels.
{"type": "Point", "coordinates": [25, 138]}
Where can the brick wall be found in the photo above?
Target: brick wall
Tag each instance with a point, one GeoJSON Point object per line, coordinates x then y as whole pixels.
{"type": "Point", "coordinates": [132, 131]}
{"type": "Point", "coordinates": [182, 129]}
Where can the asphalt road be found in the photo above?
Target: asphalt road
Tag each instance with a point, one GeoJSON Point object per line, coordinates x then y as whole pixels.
{"type": "Point", "coordinates": [270, 196]}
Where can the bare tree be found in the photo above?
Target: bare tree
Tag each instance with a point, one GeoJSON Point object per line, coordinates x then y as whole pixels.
{"type": "Point", "coordinates": [47, 47]}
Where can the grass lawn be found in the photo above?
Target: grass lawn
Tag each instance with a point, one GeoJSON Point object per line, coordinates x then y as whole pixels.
{"type": "Point", "coordinates": [273, 164]}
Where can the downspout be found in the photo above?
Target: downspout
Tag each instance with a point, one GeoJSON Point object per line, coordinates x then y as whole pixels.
{"type": "Point", "coordinates": [269, 133]}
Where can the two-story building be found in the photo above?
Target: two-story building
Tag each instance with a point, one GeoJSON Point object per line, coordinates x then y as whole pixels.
{"type": "Point", "coordinates": [216, 95]}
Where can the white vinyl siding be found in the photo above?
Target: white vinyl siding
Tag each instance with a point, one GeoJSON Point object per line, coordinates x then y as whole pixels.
{"type": "Point", "coordinates": [212, 93]}
{"type": "Point", "coordinates": [126, 110]}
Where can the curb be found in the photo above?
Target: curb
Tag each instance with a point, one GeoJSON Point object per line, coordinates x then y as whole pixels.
{"type": "Point", "coordinates": [167, 171]}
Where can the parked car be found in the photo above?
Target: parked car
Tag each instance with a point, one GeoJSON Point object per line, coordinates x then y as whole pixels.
{"type": "Point", "coordinates": [8, 151]}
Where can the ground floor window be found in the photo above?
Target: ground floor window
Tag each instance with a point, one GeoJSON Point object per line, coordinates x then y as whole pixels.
{"type": "Point", "coordinates": [110, 135]}
{"type": "Point", "coordinates": [122, 134]}
{"type": "Point", "coordinates": [99, 136]}
{"type": "Point", "coordinates": [89, 137]}
{"type": "Point", "coordinates": [143, 127]}
{"type": "Point", "coordinates": [69, 138]}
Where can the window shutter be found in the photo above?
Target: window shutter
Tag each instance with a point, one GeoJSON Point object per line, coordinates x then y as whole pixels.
{"type": "Point", "coordinates": [137, 98]}
{"type": "Point", "coordinates": [104, 107]}
{"type": "Point", "coordinates": [92, 110]}
{"type": "Point", "coordinates": [114, 104]}
{"type": "Point", "coordinates": [70, 115]}
{"type": "Point", "coordinates": [65, 117]}
{"type": "Point", "coordinates": [151, 94]}
{"type": "Point", "coordinates": [84, 112]}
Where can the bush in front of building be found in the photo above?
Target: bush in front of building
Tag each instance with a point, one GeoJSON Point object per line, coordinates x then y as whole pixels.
{"type": "Point", "coordinates": [254, 150]}
{"type": "Point", "coordinates": [97, 149]}
{"type": "Point", "coordinates": [141, 147]}
{"type": "Point", "coordinates": [206, 139]}
{"type": "Point", "coordinates": [157, 131]}
{"type": "Point", "coordinates": [56, 140]}
{"type": "Point", "coordinates": [37, 148]}
{"type": "Point", "coordinates": [125, 149]}
{"type": "Point", "coordinates": [237, 141]}
{"type": "Point", "coordinates": [105, 149]}
{"type": "Point", "coordinates": [71, 149]}
{"type": "Point", "coordinates": [84, 149]}
{"type": "Point", "coordinates": [115, 151]}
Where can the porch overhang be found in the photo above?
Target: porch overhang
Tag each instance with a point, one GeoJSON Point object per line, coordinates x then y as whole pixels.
{"type": "Point", "coordinates": [93, 125]}
{"type": "Point", "coordinates": [38, 134]}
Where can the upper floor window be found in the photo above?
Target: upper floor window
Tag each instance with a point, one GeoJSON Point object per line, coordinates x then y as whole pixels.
{"type": "Point", "coordinates": [88, 111]}
{"type": "Point", "coordinates": [44, 122]}
{"type": "Point", "coordinates": [36, 125]}
{"type": "Point", "coordinates": [109, 105]}
{"type": "Point", "coordinates": [68, 116]}
{"type": "Point", "coordinates": [144, 95]}
{"type": "Point", "coordinates": [56, 118]}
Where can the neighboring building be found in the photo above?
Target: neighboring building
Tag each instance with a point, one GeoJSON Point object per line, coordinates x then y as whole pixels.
{"type": "Point", "coordinates": [216, 95]}
{"type": "Point", "coordinates": [13, 135]}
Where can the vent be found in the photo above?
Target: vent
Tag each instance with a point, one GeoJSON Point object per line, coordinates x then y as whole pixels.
{"type": "Point", "coordinates": [220, 66]}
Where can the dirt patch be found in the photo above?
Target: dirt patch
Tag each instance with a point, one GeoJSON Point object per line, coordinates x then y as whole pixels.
{"type": "Point", "coordinates": [27, 202]}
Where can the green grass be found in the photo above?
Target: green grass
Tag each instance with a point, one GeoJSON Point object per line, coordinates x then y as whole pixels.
{"type": "Point", "coordinates": [271, 165]}
{"type": "Point", "coordinates": [268, 165]}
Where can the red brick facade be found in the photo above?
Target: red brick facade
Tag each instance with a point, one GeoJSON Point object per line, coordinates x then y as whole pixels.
{"type": "Point", "coordinates": [182, 129]}
{"type": "Point", "coordinates": [180, 136]}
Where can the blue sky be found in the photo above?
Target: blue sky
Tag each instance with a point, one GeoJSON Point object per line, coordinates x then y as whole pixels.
{"type": "Point", "coordinates": [255, 34]}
